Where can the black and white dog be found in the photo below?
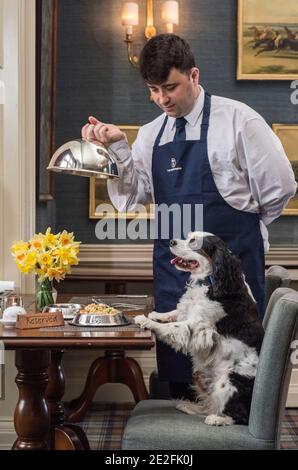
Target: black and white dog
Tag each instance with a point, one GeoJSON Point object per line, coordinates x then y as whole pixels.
{"type": "Point", "coordinates": [216, 322]}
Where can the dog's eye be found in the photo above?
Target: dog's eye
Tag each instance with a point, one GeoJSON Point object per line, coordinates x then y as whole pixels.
{"type": "Point", "coordinates": [193, 243]}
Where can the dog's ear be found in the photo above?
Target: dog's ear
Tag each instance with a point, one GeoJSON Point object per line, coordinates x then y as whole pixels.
{"type": "Point", "coordinates": [227, 274]}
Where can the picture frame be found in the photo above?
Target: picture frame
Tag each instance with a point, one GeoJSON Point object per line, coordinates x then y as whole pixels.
{"type": "Point", "coordinates": [46, 53]}
{"type": "Point", "coordinates": [267, 40]}
{"type": "Point", "coordinates": [288, 134]}
{"type": "Point", "coordinates": [98, 193]}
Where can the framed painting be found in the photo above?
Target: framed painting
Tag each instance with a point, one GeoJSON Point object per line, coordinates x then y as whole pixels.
{"type": "Point", "coordinates": [99, 194]}
{"type": "Point", "coordinates": [267, 40]}
{"type": "Point", "coordinates": [288, 134]}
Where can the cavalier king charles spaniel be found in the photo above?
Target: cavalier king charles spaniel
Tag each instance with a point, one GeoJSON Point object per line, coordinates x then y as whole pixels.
{"type": "Point", "coordinates": [216, 323]}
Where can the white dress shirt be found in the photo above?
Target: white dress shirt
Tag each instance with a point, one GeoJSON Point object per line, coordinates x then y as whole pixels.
{"type": "Point", "coordinates": [249, 165]}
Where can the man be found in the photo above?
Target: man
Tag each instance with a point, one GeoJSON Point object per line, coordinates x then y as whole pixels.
{"type": "Point", "coordinates": [225, 157]}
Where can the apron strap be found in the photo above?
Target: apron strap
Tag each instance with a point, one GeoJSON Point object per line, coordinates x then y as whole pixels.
{"type": "Point", "coordinates": [156, 144]}
{"type": "Point", "coordinates": [206, 116]}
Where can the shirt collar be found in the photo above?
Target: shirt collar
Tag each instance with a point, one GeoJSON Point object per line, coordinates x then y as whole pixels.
{"type": "Point", "coordinates": [192, 117]}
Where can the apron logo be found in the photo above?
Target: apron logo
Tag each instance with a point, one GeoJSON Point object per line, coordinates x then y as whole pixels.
{"type": "Point", "coordinates": [174, 166]}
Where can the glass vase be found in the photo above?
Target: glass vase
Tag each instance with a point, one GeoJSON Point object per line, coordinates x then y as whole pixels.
{"type": "Point", "coordinates": [44, 294]}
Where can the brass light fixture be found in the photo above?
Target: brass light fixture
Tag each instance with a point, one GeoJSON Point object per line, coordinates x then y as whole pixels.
{"type": "Point", "coordinates": [130, 18]}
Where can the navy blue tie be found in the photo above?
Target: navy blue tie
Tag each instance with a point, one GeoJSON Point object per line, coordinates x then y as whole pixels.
{"type": "Point", "coordinates": [180, 133]}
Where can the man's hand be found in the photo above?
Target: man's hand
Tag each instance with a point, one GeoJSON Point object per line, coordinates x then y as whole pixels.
{"type": "Point", "coordinates": [106, 134]}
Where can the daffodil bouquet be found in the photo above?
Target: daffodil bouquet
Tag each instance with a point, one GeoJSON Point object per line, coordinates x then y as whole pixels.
{"type": "Point", "coordinates": [49, 256]}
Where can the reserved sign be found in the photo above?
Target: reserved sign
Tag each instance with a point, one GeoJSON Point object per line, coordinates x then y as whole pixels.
{"type": "Point", "coordinates": [39, 320]}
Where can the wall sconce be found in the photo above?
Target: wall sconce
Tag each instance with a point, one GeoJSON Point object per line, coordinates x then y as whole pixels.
{"type": "Point", "coordinates": [130, 18]}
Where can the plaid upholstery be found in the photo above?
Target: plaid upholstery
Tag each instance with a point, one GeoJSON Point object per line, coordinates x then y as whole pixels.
{"type": "Point", "coordinates": [105, 422]}
{"type": "Point", "coordinates": [289, 430]}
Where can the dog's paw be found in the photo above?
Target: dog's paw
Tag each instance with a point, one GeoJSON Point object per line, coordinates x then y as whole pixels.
{"type": "Point", "coordinates": [154, 316]}
{"type": "Point", "coordinates": [186, 407]}
{"type": "Point", "coordinates": [206, 338]}
{"type": "Point", "coordinates": [141, 320]}
{"type": "Point", "coordinates": [215, 420]}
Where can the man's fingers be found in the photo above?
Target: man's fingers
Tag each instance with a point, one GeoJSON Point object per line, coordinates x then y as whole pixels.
{"type": "Point", "coordinates": [93, 120]}
{"type": "Point", "coordinates": [84, 131]}
{"type": "Point", "coordinates": [90, 132]}
{"type": "Point", "coordinates": [100, 131]}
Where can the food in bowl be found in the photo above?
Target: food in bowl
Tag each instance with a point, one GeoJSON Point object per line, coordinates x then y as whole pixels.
{"type": "Point", "coordinates": [99, 309]}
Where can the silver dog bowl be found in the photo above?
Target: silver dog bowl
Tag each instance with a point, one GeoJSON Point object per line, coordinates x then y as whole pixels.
{"type": "Point", "coordinates": [84, 319]}
{"type": "Point", "coordinates": [68, 310]}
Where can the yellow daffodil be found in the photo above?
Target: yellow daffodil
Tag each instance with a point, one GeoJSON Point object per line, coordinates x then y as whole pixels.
{"type": "Point", "coordinates": [50, 240]}
{"type": "Point", "coordinates": [57, 274]}
{"type": "Point", "coordinates": [30, 259]}
{"type": "Point", "coordinates": [19, 248]}
{"type": "Point", "coordinates": [45, 259]}
{"type": "Point", "coordinates": [24, 269]}
{"type": "Point", "coordinates": [37, 242]}
{"type": "Point", "coordinates": [66, 238]}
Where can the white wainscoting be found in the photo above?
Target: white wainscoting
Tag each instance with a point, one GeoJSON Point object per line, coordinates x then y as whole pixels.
{"type": "Point", "coordinates": [107, 261]}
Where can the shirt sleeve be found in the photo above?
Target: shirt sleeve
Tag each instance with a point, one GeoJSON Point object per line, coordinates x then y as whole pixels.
{"type": "Point", "coordinates": [269, 172]}
{"type": "Point", "coordinates": [134, 185]}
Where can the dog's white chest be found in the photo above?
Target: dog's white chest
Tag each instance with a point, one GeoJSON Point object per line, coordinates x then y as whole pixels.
{"type": "Point", "coordinates": [195, 303]}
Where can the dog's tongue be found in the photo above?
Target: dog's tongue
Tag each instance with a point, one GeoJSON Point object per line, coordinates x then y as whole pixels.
{"type": "Point", "coordinates": [174, 260]}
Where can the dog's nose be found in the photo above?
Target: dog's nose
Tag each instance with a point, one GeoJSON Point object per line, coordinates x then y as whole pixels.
{"type": "Point", "coordinates": [173, 243]}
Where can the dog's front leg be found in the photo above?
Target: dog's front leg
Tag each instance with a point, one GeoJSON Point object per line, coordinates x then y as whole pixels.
{"type": "Point", "coordinates": [164, 317]}
{"type": "Point", "coordinates": [176, 334]}
{"type": "Point", "coordinates": [204, 337]}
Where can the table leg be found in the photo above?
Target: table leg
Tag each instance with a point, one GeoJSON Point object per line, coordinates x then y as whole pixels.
{"type": "Point", "coordinates": [113, 368]}
{"type": "Point", "coordinates": [63, 436]}
{"type": "Point", "coordinates": [32, 419]}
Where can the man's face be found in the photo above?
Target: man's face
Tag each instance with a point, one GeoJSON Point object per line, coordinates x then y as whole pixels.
{"type": "Point", "coordinates": [177, 95]}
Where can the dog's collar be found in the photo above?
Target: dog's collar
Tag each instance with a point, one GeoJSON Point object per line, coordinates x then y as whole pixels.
{"type": "Point", "coordinates": [208, 281]}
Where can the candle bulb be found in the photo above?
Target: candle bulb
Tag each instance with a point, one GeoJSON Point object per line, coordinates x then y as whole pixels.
{"type": "Point", "coordinates": [130, 16]}
{"type": "Point", "coordinates": [170, 15]}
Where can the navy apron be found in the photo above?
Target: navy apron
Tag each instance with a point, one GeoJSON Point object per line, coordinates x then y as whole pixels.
{"type": "Point", "coordinates": [192, 183]}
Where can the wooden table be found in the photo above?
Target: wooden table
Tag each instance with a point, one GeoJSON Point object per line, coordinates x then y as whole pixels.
{"type": "Point", "coordinates": [40, 415]}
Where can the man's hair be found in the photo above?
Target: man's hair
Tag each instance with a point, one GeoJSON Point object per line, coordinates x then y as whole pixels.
{"type": "Point", "coordinates": [161, 54]}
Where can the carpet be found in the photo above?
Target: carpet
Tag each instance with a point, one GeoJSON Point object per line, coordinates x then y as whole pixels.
{"type": "Point", "coordinates": [105, 422]}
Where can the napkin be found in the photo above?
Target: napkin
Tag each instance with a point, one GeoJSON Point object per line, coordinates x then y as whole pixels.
{"type": "Point", "coordinates": [11, 313]}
